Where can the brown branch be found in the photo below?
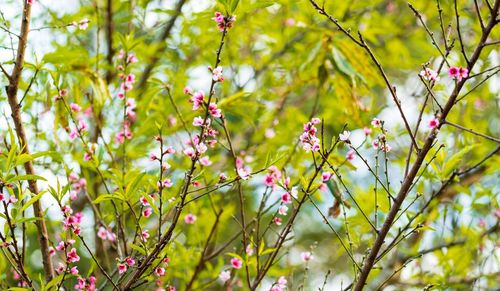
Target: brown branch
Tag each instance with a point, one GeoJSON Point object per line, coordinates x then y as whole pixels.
{"type": "Point", "coordinates": [160, 50]}
{"type": "Point", "coordinates": [12, 90]}
{"type": "Point", "coordinates": [408, 180]}
{"type": "Point", "coordinates": [497, 140]}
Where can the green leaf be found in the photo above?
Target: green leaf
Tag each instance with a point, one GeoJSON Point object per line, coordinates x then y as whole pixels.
{"type": "Point", "coordinates": [132, 187]}
{"type": "Point", "coordinates": [451, 164]}
{"type": "Point", "coordinates": [137, 248]}
{"type": "Point", "coordinates": [26, 177]}
{"type": "Point", "coordinates": [31, 201]}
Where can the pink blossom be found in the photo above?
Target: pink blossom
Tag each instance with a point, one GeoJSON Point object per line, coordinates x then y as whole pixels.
{"type": "Point", "coordinates": [147, 212]}
{"type": "Point", "coordinates": [102, 233]}
{"type": "Point", "coordinates": [433, 123]}
{"type": "Point", "coordinates": [367, 130]}
{"type": "Point", "coordinates": [325, 176]}
{"type": "Point", "coordinates": [30, 2]}
{"type": "Point", "coordinates": [306, 256]}
{"type": "Point", "coordinates": [497, 213]}
{"type": "Point", "coordinates": [217, 74]}
{"type": "Point", "coordinates": [187, 90]}
{"type": "Point", "coordinates": [236, 263]}
{"type": "Point", "coordinates": [74, 270]}
{"type": "Point", "coordinates": [376, 123]}
{"type": "Point", "coordinates": [463, 73]}
{"type": "Point", "coordinates": [159, 271]}
{"type": "Point", "coordinates": [205, 161]}
{"type": "Point", "coordinates": [75, 107]}
{"type": "Point", "coordinates": [145, 235]}
{"type": "Point", "coordinates": [322, 187]}
{"type": "Point", "coordinates": [131, 58]}
{"type": "Point", "coordinates": [345, 136]}
{"type": "Point", "coordinates": [350, 155]}
{"type": "Point", "coordinates": [277, 220]}
{"type": "Point", "coordinates": [198, 121]}
{"type": "Point", "coordinates": [283, 210]}
{"type": "Point", "coordinates": [72, 256]}
{"type": "Point", "coordinates": [190, 218]}
{"type": "Point", "coordinates": [290, 22]}
{"type": "Point", "coordinates": [60, 246]}
{"type": "Point", "coordinates": [249, 250]}
{"type": "Point", "coordinates": [197, 99]}
{"type": "Point", "coordinates": [189, 152]}
{"type": "Point", "coordinates": [243, 173]}
{"type": "Point", "coordinates": [122, 268]}
{"type": "Point", "coordinates": [83, 24]}
{"type": "Point", "coordinates": [144, 201]}
{"type": "Point", "coordinates": [453, 72]}
{"type": "Point", "coordinates": [269, 133]}
{"type": "Point", "coordinates": [429, 74]}
{"type": "Point", "coordinates": [286, 198]}
{"type": "Point", "coordinates": [224, 276]}
{"type": "Point", "coordinates": [129, 261]}
{"type": "Point", "coordinates": [375, 144]}
{"type": "Point", "coordinates": [213, 110]}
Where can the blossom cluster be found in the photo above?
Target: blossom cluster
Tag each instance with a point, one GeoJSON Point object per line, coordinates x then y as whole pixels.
{"type": "Point", "coordinates": [309, 140]}
{"type": "Point", "coordinates": [224, 22]}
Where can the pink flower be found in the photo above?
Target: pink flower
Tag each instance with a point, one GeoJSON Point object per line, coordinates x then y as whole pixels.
{"type": "Point", "coordinates": [458, 73]}
{"type": "Point", "coordinates": [130, 261]}
{"type": "Point", "coordinates": [122, 268]}
{"type": "Point", "coordinates": [283, 210]}
{"type": "Point", "coordinates": [376, 123]}
{"type": "Point", "coordinates": [236, 263]}
{"type": "Point", "coordinates": [131, 58]}
{"type": "Point", "coordinates": [205, 161]}
{"type": "Point", "coordinates": [217, 74]}
{"type": "Point", "coordinates": [74, 270]}
{"type": "Point", "coordinates": [145, 235]}
{"type": "Point", "coordinates": [350, 155]}
{"type": "Point", "coordinates": [375, 144]}
{"type": "Point", "coordinates": [73, 256]}
{"type": "Point", "coordinates": [306, 256]}
{"type": "Point", "coordinates": [429, 74]}
{"type": "Point", "coordinates": [463, 73]}
{"type": "Point", "coordinates": [102, 233]}
{"type": "Point", "coordinates": [147, 212]}
{"type": "Point", "coordinates": [75, 107]}
{"type": "Point", "coordinates": [198, 121]}
{"type": "Point", "coordinates": [224, 276]}
{"type": "Point", "coordinates": [308, 137]}
{"type": "Point", "coordinates": [60, 246]}
{"type": "Point", "coordinates": [286, 198]}
{"type": "Point", "coordinates": [277, 221]}
{"type": "Point", "coordinates": [159, 271]}
{"type": "Point", "coordinates": [83, 24]}
{"type": "Point", "coordinates": [187, 90]}
{"type": "Point", "coordinates": [367, 130]}
{"type": "Point", "coordinates": [497, 213]}
{"type": "Point", "coordinates": [433, 123]}
{"type": "Point", "coordinates": [30, 2]}
{"type": "Point", "coordinates": [243, 173]}
{"type": "Point", "coordinates": [213, 110]}
{"type": "Point", "coordinates": [190, 218]}
{"type": "Point", "coordinates": [453, 72]}
{"type": "Point", "coordinates": [197, 99]}
{"type": "Point", "coordinates": [325, 176]}
{"type": "Point", "coordinates": [345, 136]}
{"type": "Point", "coordinates": [144, 201]}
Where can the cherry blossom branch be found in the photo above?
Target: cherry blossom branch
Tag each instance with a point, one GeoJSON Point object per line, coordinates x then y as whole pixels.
{"type": "Point", "coordinates": [12, 90]}
{"type": "Point", "coordinates": [497, 140]}
{"type": "Point", "coordinates": [165, 239]}
{"type": "Point", "coordinates": [408, 180]}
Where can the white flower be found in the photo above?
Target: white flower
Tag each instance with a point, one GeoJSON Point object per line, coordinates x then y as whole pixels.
{"type": "Point", "coordinates": [224, 276]}
{"type": "Point", "coordinates": [345, 135]}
